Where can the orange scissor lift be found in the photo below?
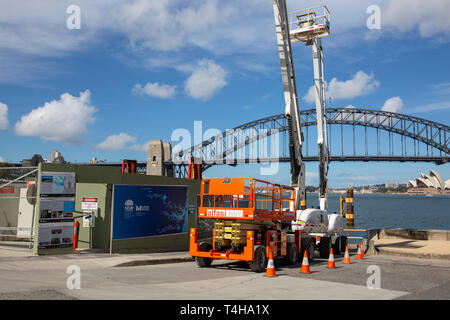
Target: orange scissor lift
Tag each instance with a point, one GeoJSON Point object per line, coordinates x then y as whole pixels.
{"type": "Point", "coordinates": [252, 220]}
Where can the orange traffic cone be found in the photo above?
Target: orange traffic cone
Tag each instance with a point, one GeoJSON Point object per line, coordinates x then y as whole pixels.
{"type": "Point", "coordinates": [358, 254]}
{"type": "Point", "coordinates": [305, 264]}
{"type": "Point", "coordinates": [346, 256]}
{"type": "Point", "coordinates": [362, 251]}
{"type": "Point", "coordinates": [270, 270]}
{"type": "Point", "coordinates": [331, 263]}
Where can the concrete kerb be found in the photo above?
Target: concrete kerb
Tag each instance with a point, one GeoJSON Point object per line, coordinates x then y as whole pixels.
{"type": "Point", "coordinates": [437, 256]}
{"type": "Point", "coordinates": [442, 235]}
{"type": "Point", "coordinates": [14, 254]}
{"type": "Point", "coordinates": [431, 238]}
{"type": "Point", "coordinates": [136, 263]}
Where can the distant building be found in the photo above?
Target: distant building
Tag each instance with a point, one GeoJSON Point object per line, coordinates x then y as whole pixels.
{"type": "Point", "coordinates": [56, 157]}
{"type": "Point", "coordinates": [387, 184]}
{"type": "Point", "coordinates": [395, 185]}
{"type": "Point", "coordinates": [33, 162]}
{"type": "Point", "coordinates": [25, 163]}
{"type": "Point", "coordinates": [94, 160]}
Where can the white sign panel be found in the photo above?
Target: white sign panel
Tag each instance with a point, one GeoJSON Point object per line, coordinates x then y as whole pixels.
{"type": "Point", "coordinates": [57, 183]}
{"type": "Point", "coordinates": [56, 209]}
{"type": "Point", "coordinates": [89, 204]}
{"type": "Point", "coordinates": [55, 235]}
{"type": "Point", "coordinates": [89, 219]}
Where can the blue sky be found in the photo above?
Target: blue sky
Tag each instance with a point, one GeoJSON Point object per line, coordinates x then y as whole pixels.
{"type": "Point", "coordinates": [137, 70]}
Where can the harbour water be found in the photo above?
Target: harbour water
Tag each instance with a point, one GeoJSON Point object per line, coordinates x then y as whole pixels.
{"type": "Point", "coordinates": [377, 211]}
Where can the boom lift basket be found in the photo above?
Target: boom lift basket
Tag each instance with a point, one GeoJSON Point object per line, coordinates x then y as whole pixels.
{"type": "Point", "coordinates": [307, 24]}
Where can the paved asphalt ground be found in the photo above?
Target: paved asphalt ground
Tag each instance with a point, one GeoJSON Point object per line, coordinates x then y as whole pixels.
{"type": "Point", "coordinates": [401, 278]}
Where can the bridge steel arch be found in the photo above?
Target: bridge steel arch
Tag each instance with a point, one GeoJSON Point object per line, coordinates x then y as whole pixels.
{"type": "Point", "coordinates": [222, 148]}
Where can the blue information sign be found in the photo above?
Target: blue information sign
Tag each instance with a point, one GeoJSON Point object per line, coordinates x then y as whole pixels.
{"type": "Point", "coordinates": [144, 211]}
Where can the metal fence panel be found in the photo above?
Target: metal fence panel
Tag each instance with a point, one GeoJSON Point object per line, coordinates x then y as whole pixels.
{"type": "Point", "coordinates": [17, 203]}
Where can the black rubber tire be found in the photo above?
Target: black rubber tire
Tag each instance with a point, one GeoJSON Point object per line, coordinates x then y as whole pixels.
{"type": "Point", "coordinates": [343, 243]}
{"type": "Point", "coordinates": [325, 247]}
{"type": "Point", "coordinates": [337, 248]}
{"type": "Point", "coordinates": [309, 245]}
{"type": "Point", "coordinates": [291, 254]}
{"type": "Point", "coordinates": [203, 262]}
{"type": "Point", "coordinates": [259, 262]}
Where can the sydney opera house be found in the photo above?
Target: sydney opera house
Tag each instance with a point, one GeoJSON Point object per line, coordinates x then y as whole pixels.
{"type": "Point", "coordinates": [431, 183]}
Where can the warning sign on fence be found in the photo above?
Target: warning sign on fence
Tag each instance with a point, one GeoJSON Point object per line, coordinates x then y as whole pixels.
{"type": "Point", "coordinates": [8, 189]}
{"type": "Point", "coordinates": [89, 204]}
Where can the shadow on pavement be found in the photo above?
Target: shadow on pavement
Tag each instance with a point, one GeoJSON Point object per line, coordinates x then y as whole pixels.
{"type": "Point", "coordinates": [403, 244]}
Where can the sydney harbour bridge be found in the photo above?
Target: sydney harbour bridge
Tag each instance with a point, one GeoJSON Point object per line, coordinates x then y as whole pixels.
{"type": "Point", "coordinates": [354, 135]}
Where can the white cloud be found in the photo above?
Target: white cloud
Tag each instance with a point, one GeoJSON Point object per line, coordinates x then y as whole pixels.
{"type": "Point", "coordinates": [350, 106]}
{"type": "Point", "coordinates": [63, 120]}
{"type": "Point", "coordinates": [361, 84]}
{"type": "Point", "coordinates": [431, 107]}
{"type": "Point", "coordinates": [362, 178]}
{"type": "Point", "coordinates": [139, 147]}
{"type": "Point", "coordinates": [116, 142]}
{"type": "Point", "coordinates": [206, 80]}
{"type": "Point", "coordinates": [165, 25]}
{"type": "Point", "coordinates": [429, 17]}
{"type": "Point", "coordinates": [122, 141]}
{"type": "Point", "coordinates": [442, 88]}
{"type": "Point", "coordinates": [394, 104]}
{"type": "Point", "coordinates": [32, 30]}
{"type": "Point", "coordinates": [311, 178]}
{"type": "Point", "coordinates": [348, 179]}
{"type": "Point", "coordinates": [39, 27]}
{"type": "Point", "coordinates": [4, 123]}
{"type": "Point", "coordinates": [310, 95]}
{"type": "Point", "coordinates": [162, 91]}
{"type": "Point", "coordinates": [2, 160]}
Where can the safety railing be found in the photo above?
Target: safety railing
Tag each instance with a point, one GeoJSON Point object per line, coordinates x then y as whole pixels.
{"type": "Point", "coordinates": [304, 18]}
{"type": "Point", "coordinates": [273, 197]}
{"type": "Point", "coordinates": [13, 232]}
{"type": "Point", "coordinates": [309, 23]}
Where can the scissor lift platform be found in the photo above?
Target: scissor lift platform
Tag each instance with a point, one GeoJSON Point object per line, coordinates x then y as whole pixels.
{"type": "Point", "coordinates": [249, 216]}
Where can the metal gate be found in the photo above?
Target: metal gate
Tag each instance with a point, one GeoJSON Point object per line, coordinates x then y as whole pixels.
{"type": "Point", "coordinates": [17, 203]}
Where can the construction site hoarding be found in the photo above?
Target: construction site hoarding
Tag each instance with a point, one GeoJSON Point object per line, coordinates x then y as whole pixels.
{"type": "Point", "coordinates": [145, 211]}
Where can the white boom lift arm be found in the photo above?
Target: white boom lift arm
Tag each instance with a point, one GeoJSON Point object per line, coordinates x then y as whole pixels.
{"type": "Point", "coordinates": [322, 134]}
{"type": "Point", "coordinates": [291, 100]}
{"type": "Point", "coordinates": [306, 26]}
